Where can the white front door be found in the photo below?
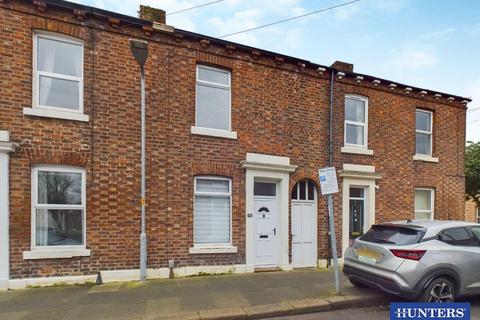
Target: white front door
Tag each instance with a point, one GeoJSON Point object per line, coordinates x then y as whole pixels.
{"type": "Point", "coordinates": [265, 214]}
{"type": "Point", "coordinates": [304, 225]}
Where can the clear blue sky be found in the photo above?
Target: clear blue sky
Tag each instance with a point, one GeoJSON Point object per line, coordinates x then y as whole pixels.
{"type": "Point", "coordinates": [426, 43]}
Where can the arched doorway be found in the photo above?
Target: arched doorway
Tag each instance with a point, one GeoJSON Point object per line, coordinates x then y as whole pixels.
{"type": "Point", "coordinates": [304, 224]}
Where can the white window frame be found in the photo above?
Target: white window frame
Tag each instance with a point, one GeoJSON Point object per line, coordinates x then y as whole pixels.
{"type": "Point", "coordinates": [362, 124]}
{"type": "Point", "coordinates": [37, 73]}
{"type": "Point", "coordinates": [429, 133]}
{"type": "Point", "coordinates": [35, 205]}
{"type": "Point", "coordinates": [222, 194]}
{"type": "Point", "coordinates": [214, 131]}
{"type": "Point", "coordinates": [477, 214]}
{"type": "Point", "coordinates": [297, 186]}
{"type": "Point", "coordinates": [432, 203]}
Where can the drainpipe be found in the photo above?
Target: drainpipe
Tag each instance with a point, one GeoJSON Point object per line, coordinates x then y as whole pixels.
{"type": "Point", "coordinates": [330, 149]}
{"type": "Point", "coordinates": [333, 241]}
{"type": "Point", "coordinates": [330, 126]}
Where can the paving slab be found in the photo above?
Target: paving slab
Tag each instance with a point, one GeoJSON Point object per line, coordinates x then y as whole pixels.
{"type": "Point", "coordinates": [127, 311]}
{"type": "Point", "coordinates": [180, 316]}
{"type": "Point", "coordinates": [229, 299]}
{"type": "Point", "coordinates": [108, 287]}
{"type": "Point", "coordinates": [162, 307]}
{"type": "Point", "coordinates": [89, 311]}
{"type": "Point", "coordinates": [269, 310]}
{"type": "Point", "coordinates": [13, 315]}
{"type": "Point", "coordinates": [45, 315]}
{"type": "Point", "coordinates": [228, 313]}
{"type": "Point", "coordinates": [310, 305]}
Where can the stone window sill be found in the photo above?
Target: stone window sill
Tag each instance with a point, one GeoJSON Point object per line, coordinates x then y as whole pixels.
{"type": "Point", "coordinates": [354, 150]}
{"type": "Point", "coordinates": [57, 114]}
{"type": "Point", "coordinates": [213, 132]}
{"type": "Point", "coordinates": [55, 254]}
{"type": "Point", "coordinates": [426, 158]}
{"type": "Point", "coordinates": [219, 249]}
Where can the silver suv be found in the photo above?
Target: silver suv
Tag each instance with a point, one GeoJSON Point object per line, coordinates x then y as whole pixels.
{"type": "Point", "coordinates": [424, 260]}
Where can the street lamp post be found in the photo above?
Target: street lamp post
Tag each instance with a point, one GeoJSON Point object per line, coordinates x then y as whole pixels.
{"type": "Point", "coordinates": [139, 50]}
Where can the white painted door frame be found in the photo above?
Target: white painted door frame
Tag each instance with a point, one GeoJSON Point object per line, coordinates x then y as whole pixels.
{"type": "Point", "coordinates": [5, 148]}
{"type": "Point", "coordinates": [369, 210]}
{"type": "Point", "coordinates": [272, 168]}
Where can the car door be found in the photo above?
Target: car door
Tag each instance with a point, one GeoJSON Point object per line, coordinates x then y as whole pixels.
{"type": "Point", "coordinates": [464, 254]}
{"type": "Point", "coordinates": [475, 285]}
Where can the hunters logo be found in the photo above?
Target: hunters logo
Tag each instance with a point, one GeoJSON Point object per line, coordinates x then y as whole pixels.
{"type": "Point", "coordinates": [430, 311]}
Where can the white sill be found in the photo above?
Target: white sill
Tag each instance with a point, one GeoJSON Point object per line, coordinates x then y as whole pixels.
{"type": "Point", "coordinates": [354, 150]}
{"type": "Point", "coordinates": [424, 157]}
{"type": "Point", "coordinates": [58, 114]}
{"type": "Point", "coordinates": [213, 132]}
{"type": "Point", "coordinates": [55, 254]}
{"type": "Point", "coordinates": [213, 249]}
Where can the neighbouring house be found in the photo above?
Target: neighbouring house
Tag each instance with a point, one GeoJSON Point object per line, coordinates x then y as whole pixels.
{"type": "Point", "coordinates": [235, 138]}
{"type": "Point", "coordinates": [472, 212]}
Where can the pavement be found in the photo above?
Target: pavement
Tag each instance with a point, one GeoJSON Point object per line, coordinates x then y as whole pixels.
{"type": "Point", "coordinates": [236, 296]}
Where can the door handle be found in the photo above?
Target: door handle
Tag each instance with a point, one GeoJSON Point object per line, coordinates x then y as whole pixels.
{"type": "Point", "coordinates": [274, 231]}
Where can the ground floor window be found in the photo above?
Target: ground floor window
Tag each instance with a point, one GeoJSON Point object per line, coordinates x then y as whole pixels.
{"type": "Point", "coordinates": [212, 211]}
{"type": "Point", "coordinates": [424, 203]}
{"type": "Point", "coordinates": [58, 206]}
{"type": "Point", "coordinates": [357, 211]}
{"type": "Point", "coordinates": [477, 211]}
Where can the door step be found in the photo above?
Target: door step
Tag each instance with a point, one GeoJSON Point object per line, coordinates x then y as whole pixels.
{"type": "Point", "coordinates": [272, 269]}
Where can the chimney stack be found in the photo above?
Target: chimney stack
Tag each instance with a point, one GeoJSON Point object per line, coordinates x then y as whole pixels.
{"type": "Point", "coordinates": [156, 16]}
{"type": "Point", "coordinates": [342, 66]}
{"type": "Point", "coordinates": [152, 14]}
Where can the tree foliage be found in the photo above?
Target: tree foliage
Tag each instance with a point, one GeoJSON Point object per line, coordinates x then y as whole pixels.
{"type": "Point", "coordinates": [472, 172]}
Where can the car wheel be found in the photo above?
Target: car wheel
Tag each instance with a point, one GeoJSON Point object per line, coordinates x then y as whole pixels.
{"type": "Point", "coordinates": [440, 290]}
{"type": "Point", "coordinates": [357, 284]}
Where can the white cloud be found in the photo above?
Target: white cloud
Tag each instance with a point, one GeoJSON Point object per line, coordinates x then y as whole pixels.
{"type": "Point", "coordinates": [439, 35]}
{"type": "Point", "coordinates": [251, 14]}
{"type": "Point", "coordinates": [414, 58]}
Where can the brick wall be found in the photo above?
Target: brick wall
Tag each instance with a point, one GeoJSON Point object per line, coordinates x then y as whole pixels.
{"type": "Point", "coordinates": [470, 211]}
{"type": "Point", "coordinates": [278, 108]}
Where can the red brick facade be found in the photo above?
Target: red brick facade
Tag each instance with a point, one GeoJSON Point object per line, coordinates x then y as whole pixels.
{"type": "Point", "coordinates": [279, 107]}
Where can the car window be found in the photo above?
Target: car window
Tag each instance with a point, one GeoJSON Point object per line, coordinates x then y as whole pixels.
{"type": "Point", "coordinates": [457, 237]}
{"type": "Point", "coordinates": [392, 235]}
{"type": "Point", "coordinates": [476, 234]}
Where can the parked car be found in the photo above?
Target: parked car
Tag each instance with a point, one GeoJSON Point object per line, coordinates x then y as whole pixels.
{"type": "Point", "coordinates": [424, 260]}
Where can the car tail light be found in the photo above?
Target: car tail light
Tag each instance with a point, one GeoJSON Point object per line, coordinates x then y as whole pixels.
{"type": "Point", "coordinates": [408, 254]}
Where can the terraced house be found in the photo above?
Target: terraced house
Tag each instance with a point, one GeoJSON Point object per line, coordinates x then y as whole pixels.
{"type": "Point", "coordinates": [235, 138]}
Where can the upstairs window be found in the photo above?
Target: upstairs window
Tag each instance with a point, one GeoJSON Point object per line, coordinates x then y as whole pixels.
{"type": "Point", "coordinates": [423, 132]}
{"type": "Point", "coordinates": [356, 121]}
{"type": "Point", "coordinates": [213, 98]}
{"type": "Point", "coordinates": [424, 203]}
{"type": "Point", "coordinates": [57, 73]}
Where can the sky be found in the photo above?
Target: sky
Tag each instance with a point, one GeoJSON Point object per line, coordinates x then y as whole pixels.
{"type": "Point", "coordinates": [433, 44]}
